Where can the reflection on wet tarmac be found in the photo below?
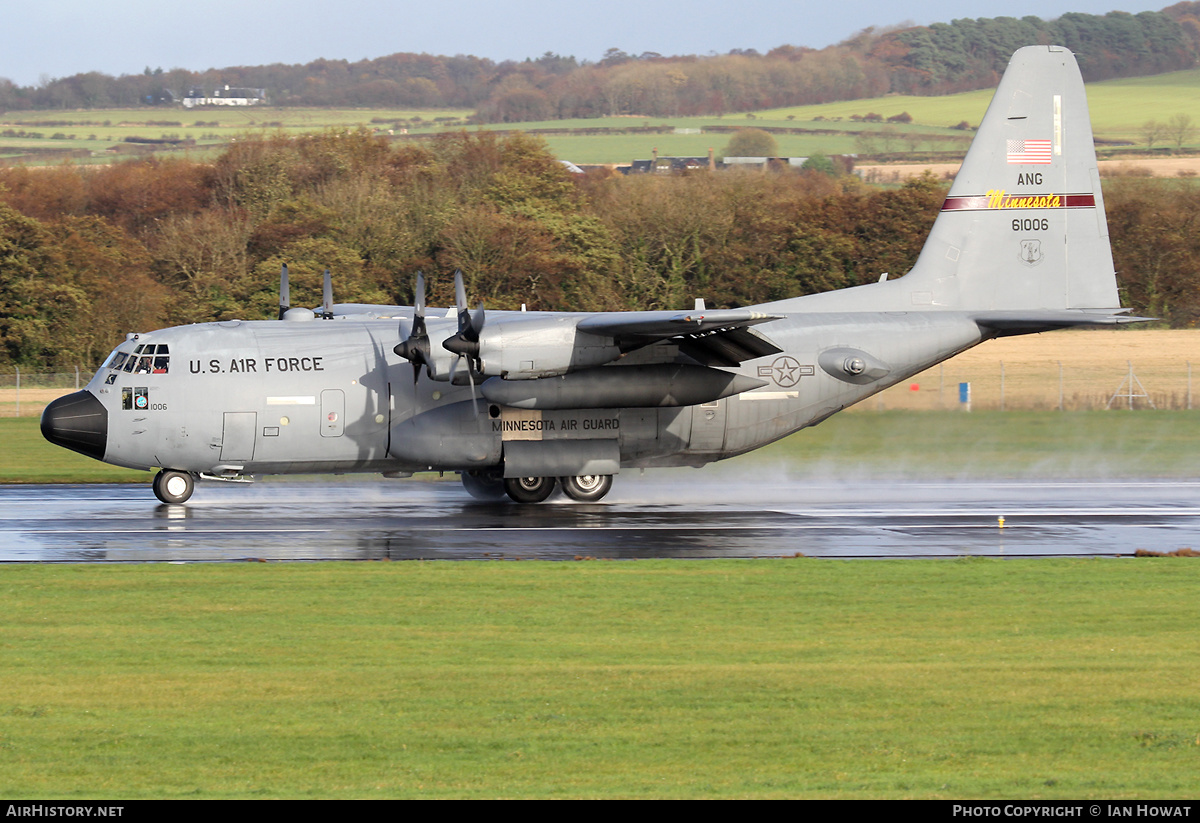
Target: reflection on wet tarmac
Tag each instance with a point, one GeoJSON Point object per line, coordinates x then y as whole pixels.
{"type": "Point", "coordinates": [645, 517]}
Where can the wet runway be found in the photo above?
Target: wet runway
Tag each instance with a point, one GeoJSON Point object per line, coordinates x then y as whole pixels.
{"type": "Point", "coordinates": [666, 514]}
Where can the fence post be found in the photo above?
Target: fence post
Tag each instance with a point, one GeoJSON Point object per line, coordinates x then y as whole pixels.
{"type": "Point", "coordinates": [1001, 385]}
{"type": "Point", "coordinates": [18, 368]}
{"type": "Point", "coordinates": [1060, 386]}
{"type": "Point", "coordinates": [1189, 396]}
{"type": "Point", "coordinates": [76, 378]}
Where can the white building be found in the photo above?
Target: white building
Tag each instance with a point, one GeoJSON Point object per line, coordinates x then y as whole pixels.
{"type": "Point", "coordinates": [225, 97]}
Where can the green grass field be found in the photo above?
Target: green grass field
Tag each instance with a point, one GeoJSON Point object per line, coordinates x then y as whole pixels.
{"type": "Point", "coordinates": [1118, 107]}
{"type": "Point", "coordinates": [861, 443]}
{"type": "Point", "coordinates": [765, 678]}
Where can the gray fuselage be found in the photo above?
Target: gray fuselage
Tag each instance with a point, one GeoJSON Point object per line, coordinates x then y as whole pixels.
{"type": "Point", "coordinates": [271, 397]}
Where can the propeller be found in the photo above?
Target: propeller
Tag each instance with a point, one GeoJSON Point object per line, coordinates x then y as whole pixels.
{"type": "Point", "coordinates": [285, 294]}
{"type": "Point", "coordinates": [466, 342]}
{"type": "Point", "coordinates": [415, 348]}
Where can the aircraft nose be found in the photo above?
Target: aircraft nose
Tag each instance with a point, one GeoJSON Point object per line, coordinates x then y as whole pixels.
{"type": "Point", "coordinates": [78, 422]}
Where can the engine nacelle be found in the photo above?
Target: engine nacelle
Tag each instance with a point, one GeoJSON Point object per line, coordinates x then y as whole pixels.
{"type": "Point", "coordinates": [525, 349]}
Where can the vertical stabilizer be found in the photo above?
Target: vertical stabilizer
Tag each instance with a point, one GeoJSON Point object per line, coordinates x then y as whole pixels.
{"type": "Point", "coordinates": [1023, 227]}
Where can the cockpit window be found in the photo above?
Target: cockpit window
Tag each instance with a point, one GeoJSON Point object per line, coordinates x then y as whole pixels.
{"type": "Point", "coordinates": [148, 358]}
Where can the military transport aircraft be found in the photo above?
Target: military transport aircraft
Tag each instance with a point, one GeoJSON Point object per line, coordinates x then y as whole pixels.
{"type": "Point", "coordinates": [520, 403]}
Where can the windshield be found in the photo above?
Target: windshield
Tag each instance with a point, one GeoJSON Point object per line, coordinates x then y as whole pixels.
{"type": "Point", "coordinates": [147, 358]}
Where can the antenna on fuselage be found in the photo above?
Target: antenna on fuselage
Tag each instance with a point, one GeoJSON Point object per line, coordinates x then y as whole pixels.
{"type": "Point", "coordinates": [327, 297]}
{"type": "Point", "coordinates": [285, 294]}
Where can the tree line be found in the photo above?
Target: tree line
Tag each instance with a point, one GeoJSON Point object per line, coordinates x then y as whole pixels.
{"type": "Point", "coordinates": [938, 59]}
{"type": "Point", "coordinates": [90, 253]}
{"type": "Point", "coordinates": [971, 54]}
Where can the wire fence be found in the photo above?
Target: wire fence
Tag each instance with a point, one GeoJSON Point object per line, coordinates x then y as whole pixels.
{"type": "Point", "coordinates": [995, 385]}
{"type": "Point", "coordinates": [25, 394]}
{"type": "Point", "coordinates": [1057, 385]}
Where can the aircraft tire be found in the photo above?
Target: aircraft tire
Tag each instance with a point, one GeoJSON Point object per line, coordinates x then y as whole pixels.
{"type": "Point", "coordinates": [484, 486]}
{"type": "Point", "coordinates": [173, 487]}
{"type": "Point", "coordinates": [587, 488]}
{"type": "Point", "coordinates": [529, 489]}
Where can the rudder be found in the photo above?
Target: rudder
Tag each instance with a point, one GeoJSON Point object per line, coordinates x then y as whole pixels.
{"type": "Point", "coordinates": [1023, 227]}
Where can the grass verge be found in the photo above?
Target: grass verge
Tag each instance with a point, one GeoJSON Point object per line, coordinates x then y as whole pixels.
{"type": "Point", "coordinates": [760, 678]}
{"type": "Point", "coordinates": [27, 457]}
{"type": "Point", "coordinates": [1095, 445]}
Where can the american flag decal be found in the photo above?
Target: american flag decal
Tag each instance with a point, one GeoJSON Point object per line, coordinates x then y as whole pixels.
{"type": "Point", "coordinates": [1029, 152]}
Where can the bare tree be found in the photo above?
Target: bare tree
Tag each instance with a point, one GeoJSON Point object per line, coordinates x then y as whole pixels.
{"type": "Point", "coordinates": [1181, 129]}
{"type": "Point", "coordinates": [1152, 132]}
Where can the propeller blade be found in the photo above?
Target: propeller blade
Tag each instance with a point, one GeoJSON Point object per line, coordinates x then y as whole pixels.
{"type": "Point", "coordinates": [474, 395]}
{"type": "Point", "coordinates": [460, 300]}
{"type": "Point", "coordinates": [466, 342]}
{"type": "Point", "coordinates": [285, 292]}
{"type": "Point", "coordinates": [415, 348]}
{"type": "Point", "coordinates": [477, 321]}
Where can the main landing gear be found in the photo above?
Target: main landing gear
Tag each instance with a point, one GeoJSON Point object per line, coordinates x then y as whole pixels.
{"type": "Point", "coordinates": [586, 488]}
{"type": "Point", "coordinates": [484, 486]}
{"type": "Point", "coordinates": [173, 487]}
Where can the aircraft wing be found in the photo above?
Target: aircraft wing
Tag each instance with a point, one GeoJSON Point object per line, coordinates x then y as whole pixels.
{"type": "Point", "coordinates": [720, 337]}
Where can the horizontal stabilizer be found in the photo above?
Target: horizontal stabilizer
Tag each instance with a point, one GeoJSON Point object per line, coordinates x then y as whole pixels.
{"type": "Point", "coordinates": [1028, 322]}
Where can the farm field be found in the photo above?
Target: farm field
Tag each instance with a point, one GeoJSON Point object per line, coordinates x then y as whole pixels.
{"type": "Point", "coordinates": [102, 133]}
{"type": "Point", "coordinates": [1126, 163]}
{"type": "Point", "coordinates": [1118, 109]}
{"type": "Point", "coordinates": [1095, 363]}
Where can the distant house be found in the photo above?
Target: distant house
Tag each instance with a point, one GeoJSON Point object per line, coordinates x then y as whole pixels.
{"type": "Point", "coordinates": [670, 165]}
{"type": "Point", "coordinates": [225, 97]}
{"type": "Point", "coordinates": [676, 165]}
{"type": "Point", "coordinates": [766, 162]}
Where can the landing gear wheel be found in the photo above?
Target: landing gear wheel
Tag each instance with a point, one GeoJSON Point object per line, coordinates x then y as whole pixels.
{"type": "Point", "coordinates": [173, 487]}
{"type": "Point", "coordinates": [587, 488]}
{"type": "Point", "coordinates": [484, 486]}
{"type": "Point", "coordinates": [529, 489]}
